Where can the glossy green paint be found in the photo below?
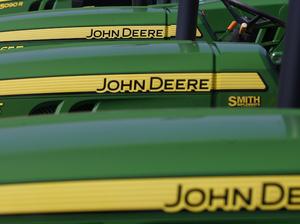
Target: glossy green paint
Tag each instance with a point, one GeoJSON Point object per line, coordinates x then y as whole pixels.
{"type": "Point", "coordinates": [80, 57]}
{"type": "Point", "coordinates": [216, 10]}
{"type": "Point", "coordinates": [19, 6]}
{"type": "Point", "coordinates": [136, 57]}
{"type": "Point", "coordinates": [61, 15]}
{"type": "Point", "coordinates": [214, 19]}
{"type": "Point", "coordinates": [229, 59]}
{"type": "Point", "coordinates": [144, 143]}
{"type": "Point", "coordinates": [151, 143]}
{"type": "Point", "coordinates": [86, 57]}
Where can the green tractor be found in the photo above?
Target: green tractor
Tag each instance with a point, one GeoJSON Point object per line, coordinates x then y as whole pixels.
{"type": "Point", "coordinates": [62, 21]}
{"type": "Point", "coordinates": [89, 59]}
{"type": "Point", "coordinates": [163, 166]}
{"type": "Point", "coordinates": [182, 166]}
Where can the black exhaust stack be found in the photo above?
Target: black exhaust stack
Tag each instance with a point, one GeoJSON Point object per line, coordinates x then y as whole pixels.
{"type": "Point", "coordinates": [187, 19]}
{"type": "Point", "coordinates": [289, 82]}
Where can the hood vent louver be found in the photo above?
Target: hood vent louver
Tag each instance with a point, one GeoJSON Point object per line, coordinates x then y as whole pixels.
{"type": "Point", "coordinates": [45, 108]}
{"type": "Point", "coordinates": [50, 4]}
{"type": "Point", "coordinates": [85, 106]}
{"type": "Point", "coordinates": [35, 5]}
{"type": "Point", "coordinates": [42, 5]}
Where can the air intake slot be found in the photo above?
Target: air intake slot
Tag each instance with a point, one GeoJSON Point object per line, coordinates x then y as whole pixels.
{"type": "Point", "coordinates": [35, 6]}
{"type": "Point", "coordinates": [45, 108]}
{"type": "Point", "coordinates": [85, 106]}
{"type": "Point", "coordinates": [50, 4]}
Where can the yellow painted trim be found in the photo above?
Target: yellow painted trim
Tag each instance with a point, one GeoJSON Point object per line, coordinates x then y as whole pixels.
{"type": "Point", "coordinates": [128, 83]}
{"type": "Point", "coordinates": [233, 81]}
{"type": "Point", "coordinates": [197, 194]}
{"type": "Point", "coordinates": [112, 32]}
{"type": "Point", "coordinates": [172, 31]}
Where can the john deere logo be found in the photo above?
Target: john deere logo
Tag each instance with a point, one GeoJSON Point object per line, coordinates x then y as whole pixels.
{"type": "Point", "coordinates": [94, 32]}
{"type": "Point", "coordinates": [156, 84]}
{"type": "Point", "coordinates": [267, 196]}
{"type": "Point", "coordinates": [134, 83]}
{"type": "Point", "coordinates": [123, 33]}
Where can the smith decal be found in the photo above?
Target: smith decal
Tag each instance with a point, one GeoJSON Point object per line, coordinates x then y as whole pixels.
{"type": "Point", "coordinates": [170, 195]}
{"type": "Point", "coordinates": [244, 101]}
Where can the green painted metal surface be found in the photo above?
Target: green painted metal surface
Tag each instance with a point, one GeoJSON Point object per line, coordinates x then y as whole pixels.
{"type": "Point", "coordinates": [182, 141]}
{"type": "Point", "coordinates": [101, 146]}
{"type": "Point", "coordinates": [134, 58]}
{"type": "Point", "coordinates": [50, 58]}
{"type": "Point", "coordinates": [62, 15]}
{"type": "Point", "coordinates": [232, 139]}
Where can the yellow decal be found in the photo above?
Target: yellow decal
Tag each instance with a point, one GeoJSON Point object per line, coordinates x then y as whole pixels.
{"type": "Point", "coordinates": [97, 32]}
{"type": "Point", "coordinates": [133, 83]}
{"type": "Point", "coordinates": [244, 101]}
{"type": "Point", "coordinates": [4, 48]}
{"type": "Point", "coordinates": [194, 194]}
{"type": "Point", "coordinates": [9, 4]}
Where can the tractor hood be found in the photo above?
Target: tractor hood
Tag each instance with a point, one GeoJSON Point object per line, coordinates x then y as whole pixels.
{"type": "Point", "coordinates": [102, 145]}
{"type": "Point", "coordinates": [85, 24]}
{"type": "Point", "coordinates": [18, 6]}
{"type": "Point", "coordinates": [66, 24]}
{"type": "Point", "coordinates": [126, 167]}
{"type": "Point", "coordinates": [122, 75]}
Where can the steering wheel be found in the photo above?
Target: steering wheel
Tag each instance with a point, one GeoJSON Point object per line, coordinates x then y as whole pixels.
{"type": "Point", "coordinates": [259, 20]}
